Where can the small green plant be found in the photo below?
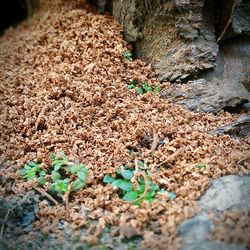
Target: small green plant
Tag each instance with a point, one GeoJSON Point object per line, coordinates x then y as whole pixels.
{"type": "Point", "coordinates": [131, 189]}
{"type": "Point", "coordinates": [33, 171]}
{"type": "Point", "coordinates": [143, 87]}
{"type": "Point", "coordinates": [200, 165]}
{"type": "Point", "coordinates": [128, 55]}
{"type": "Point", "coordinates": [65, 176]}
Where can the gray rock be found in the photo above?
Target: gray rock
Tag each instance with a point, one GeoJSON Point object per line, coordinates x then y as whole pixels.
{"type": "Point", "coordinates": [237, 129]}
{"type": "Point", "coordinates": [225, 88]}
{"type": "Point", "coordinates": [226, 193]}
{"type": "Point", "coordinates": [215, 245]}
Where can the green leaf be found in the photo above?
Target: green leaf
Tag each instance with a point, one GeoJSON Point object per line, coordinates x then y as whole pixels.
{"type": "Point", "coordinates": [27, 167]}
{"type": "Point", "coordinates": [57, 167]}
{"type": "Point", "coordinates": [131, 151]}
{"type": "Point", "coordinates": [147, 87]}
{"type": "Point", "coordinates": [55, 176]}
{"type": "Point", "coordinates": [52, 156]}
{"type": "Point", "coordinates": [66, 180]}
{"type": "Point", "coordinates": [140, 90]}
{"type": "Point", "coordinates": [22, 172]}
{"type": "Point", "coordinates": [131, 196]}
{"type": "Point", "coordinates": [141, 180]}
{"type": "Point", "coordinates": [131, 86]}
{"type": "Point", "coordinates": [42, 173]}
{"type": "Point", "coordinates": [82, 175]}
{"type": "Point", "coordinates": [154, 187]}
{"type": "Point", "coordinates": [61, 187]}
{"type": "Point", "coordinates": [163, 191]}
{"type": "Point", "coordinates": [157, 89]}
{"type": "Point", "coordinates": [52, 188]}
{"type": "Point", "coordinates": [140, 164]}
{"type": "Point", "coordinates": [200, 165]}
{"type": "Point", "coordinates": [171, 196]}
{"type": "Point", "coordinates": [30, 176]}
{"type": "Point", "coordinates": [78, 184]}
{"type": "Point", "coordinates": [127, 174]}
{"type": "Point", "coordinates": [108, 179]}
{"type": "Point", "coordinates": [32, 164]}
{"type": "Point", "coordinates": [41, 180]}
{"type": "Point", "coordinates": [75, 168]}
{"type": "Point", "coordinates": [118, 170]}
{"type": "Point", "coordinates": [141, 188]}
{"type": "Point", "coordinates": [122, 184]}
{"type": "Point", "coordinates": [128, 55]}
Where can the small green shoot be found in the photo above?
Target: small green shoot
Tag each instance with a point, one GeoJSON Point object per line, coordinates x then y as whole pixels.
{"type": "Point", "coordinates": [128, 55]}
{"type": "Point", "coordinates": [143, 87]}
{"type": "Point", "coordinates": [75, 174]}
{"type": "Point", "coordinates": [200, 165]}
{"type": "Point", "coordinates": [65, 176]}
{"type": "Point", "coordinates": [33, 171]}
{"type": "Point", "coordinates": [131, 191]}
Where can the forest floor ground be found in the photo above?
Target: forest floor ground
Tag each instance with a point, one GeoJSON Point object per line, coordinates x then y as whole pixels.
{"type": "Point", "coordinates": [64, 87]}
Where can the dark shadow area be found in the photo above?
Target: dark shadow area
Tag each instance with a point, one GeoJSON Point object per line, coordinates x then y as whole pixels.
{"type": "Point", "coordinates": [11, 13]}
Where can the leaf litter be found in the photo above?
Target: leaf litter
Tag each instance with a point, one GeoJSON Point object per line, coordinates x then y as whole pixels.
{"type": "Point", "coordinates": [64, 86]}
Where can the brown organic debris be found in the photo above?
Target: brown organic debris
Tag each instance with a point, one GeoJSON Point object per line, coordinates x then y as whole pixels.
{"type": "Point", "coordinates": [64, 78]}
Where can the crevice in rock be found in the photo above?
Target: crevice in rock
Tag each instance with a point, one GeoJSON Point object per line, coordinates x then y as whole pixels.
{"type": "Point", "coordinates": [14, 11]}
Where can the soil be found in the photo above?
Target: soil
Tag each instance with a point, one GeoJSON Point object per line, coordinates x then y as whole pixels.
{"type": "Point", "coordinates": [64, 86]}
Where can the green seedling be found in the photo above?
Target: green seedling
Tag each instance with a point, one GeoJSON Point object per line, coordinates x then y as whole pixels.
{"type": "Point", "coordinates": [128, 55]}
{"type": "Point", "coordinates": [143, 87]}
{"type": "Point", "coordinates": [65, 176]}
{"type": "Point", "coordinates": [143, 190]}
{"type": "Point", "coordinates": [33, 171]}
{"type": "Point", "coordinates": [200, 165]}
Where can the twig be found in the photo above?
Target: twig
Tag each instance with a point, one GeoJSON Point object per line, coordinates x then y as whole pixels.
{"type": "Point", "coordinates": [44, 193]}
{"type": "Point", "coordinates": [229, 21]}
{"type": "Point", "coordinates": [154, 144]}
{"type": "Point", "coordinates": [171, 157]}
{"type": "Point", "coordinates": [244, 159]}
{"type": "Point", "coordinates": [146, 187]}
{"type": "Point", "coordinates": [66, 195]}
{"type": "Point", "coordinates": [5, 220]}
{"type": "Point", "coordinates": [136, 170]}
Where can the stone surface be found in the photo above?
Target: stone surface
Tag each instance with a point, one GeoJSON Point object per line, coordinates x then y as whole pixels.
{"type": "Point", "coordinates": [226, 87]}
{"type": "Point", "coordinates": [226, 193]}
{"type": "Point", "coordinates": [206, 42]}
{"type": "Point", "coordinates": [237, 129]}
{"type": "Point", "coordinates": [173, 36]}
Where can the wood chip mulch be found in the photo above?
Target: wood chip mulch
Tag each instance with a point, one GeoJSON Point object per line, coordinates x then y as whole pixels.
{"type": "Point", "coordinates": [63, 86]}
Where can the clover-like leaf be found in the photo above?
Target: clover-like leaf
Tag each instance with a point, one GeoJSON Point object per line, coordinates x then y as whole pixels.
{"type": "Point", "coordinates": [171, 196]}
{"type": "Point", "coordinates": [127, 174]}
{"type": "Point", "coordinates": [55, 176]}
{"type": "Point", "coordinates": [41, 180]}
{"type": "Point", "coordinates": [82, 175]}
{"type": "Point", "coordinates": [61, 187]}
{"type": "Point", "coordinates": [200, 165]}
{"type": "Point", "coordinates": [122, 184]}
{"type": "Point", "coordinates": [131, 86]}
{"type": "Point", "coordinates": [78, 184]}
{"type": "Point", "coordinates": [52, 156]}
{"type": "Point", "coordinates": [141, 188]}
{"type": "Point", "coordinates": [140, 90]}
{"type": "Point", "coordinates": [131, 196]}
{"type": "Point", "coordinates": [157, 89]}
{"type": "Point", "coordinates": [108, 179]}
{"type": "Point", "coordinates": [128, 55]}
